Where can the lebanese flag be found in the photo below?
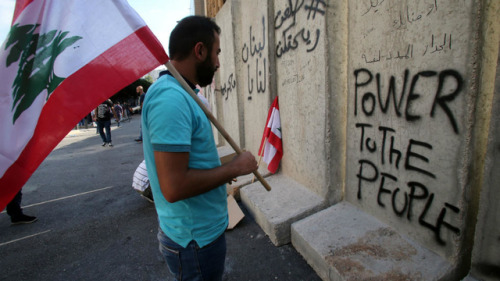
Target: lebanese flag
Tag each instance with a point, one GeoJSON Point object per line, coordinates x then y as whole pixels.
{"type": "Point", "coordinates": [61, 59]}
{"type": "Point", "coordinates": [271, 148]}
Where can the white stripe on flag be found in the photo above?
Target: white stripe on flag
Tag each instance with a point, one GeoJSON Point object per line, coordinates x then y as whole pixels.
{"type": "Point", "coordinates": [93, 49]}
{"type": "Point", "coordinates": [79, 18]}
{"type": "Point", "coordinates": [269, 153]}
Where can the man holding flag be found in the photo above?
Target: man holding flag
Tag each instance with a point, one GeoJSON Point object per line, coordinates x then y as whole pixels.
{"type": "Point", "coordinates": [186, 176]}
{"type": "Point", "coordinates": [61, 59]}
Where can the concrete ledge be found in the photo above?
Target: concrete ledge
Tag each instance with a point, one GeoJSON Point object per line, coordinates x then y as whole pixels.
{"type": "Point", "coordinates": [234, 188]}
{"type": "Point", "coordinates": [276, 210]}
{"type": "Point", "coordinates": [344, 243]}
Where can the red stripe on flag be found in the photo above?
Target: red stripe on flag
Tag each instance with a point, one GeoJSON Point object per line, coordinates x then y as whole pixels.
{"type": "Point", "coordinates": [20, 5]}
{"type": "Point", "coordinates": [275, 141]}
{"type": "Point", "coordinates": [79, 94]}
{"type": "Point", "coordinates": [267, 129]}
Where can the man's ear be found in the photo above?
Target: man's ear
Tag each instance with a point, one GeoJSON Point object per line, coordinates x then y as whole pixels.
{"type": "Point", "coordinates": [200, 51]}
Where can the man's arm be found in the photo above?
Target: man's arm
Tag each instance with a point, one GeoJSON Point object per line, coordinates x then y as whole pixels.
{"type": "Point", "coordinates": [114, 113]}
{"type": "Point", "coordinates": [178, 182]}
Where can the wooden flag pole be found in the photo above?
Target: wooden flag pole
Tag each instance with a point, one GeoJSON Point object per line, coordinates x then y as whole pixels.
{"type": "Point", "coordinates": [214, 121]}
{"type": "Point", "coordinates": [258, 165]}
{"type": "Point", "coordinates": [260, 157]}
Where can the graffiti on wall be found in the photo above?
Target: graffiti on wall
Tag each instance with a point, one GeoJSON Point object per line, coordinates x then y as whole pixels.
{"type": "Point", "coordinates": [435, 45]}
{"type": "Point", "coordinates": [368, 102]}
{"type": "Point", "coordinates": [407, 14]}
{"type": "Point", "coordinates": [228, 86]}
{"type": "Point", "coordinates": [291, 35]}
{"type": "Point", "coordinates": [254, 51]}
{"type": "Point", "coordinates": [410, 200]}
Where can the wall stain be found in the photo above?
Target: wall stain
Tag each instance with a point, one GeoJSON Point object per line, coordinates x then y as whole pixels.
{"type": "Point", "coordinates": [380, 244]}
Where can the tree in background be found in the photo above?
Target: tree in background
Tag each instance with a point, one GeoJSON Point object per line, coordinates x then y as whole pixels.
{"type": "Point", "coordinates": [149, 79]}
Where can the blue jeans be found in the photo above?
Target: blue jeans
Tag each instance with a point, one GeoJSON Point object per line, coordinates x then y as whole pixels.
{"type": "Point", "coordinates": [194, 263]}
{"type": "Point", "coordinates": [101, 125]}
{"type": "Point", "coordinates": [140, 128]}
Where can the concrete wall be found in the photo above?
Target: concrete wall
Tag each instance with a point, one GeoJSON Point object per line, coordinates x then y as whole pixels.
{"type": "Point", "coordinates": [271, 47]}
{"type": "Point", "coordinates": [301, 74]}
{"type": "Point", "coordinates": [383, 104]}
{"type": "Point", "coordinates": [486, 252]}
{"type": "Point", "coordinates": [411, 103]}
{"type": "Point", "coordinates": [230, 109]}
{"type": "Point", "coordinates": [253, 47]}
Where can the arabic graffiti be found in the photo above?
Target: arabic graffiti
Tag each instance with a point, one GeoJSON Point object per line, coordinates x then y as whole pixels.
{"type": "Point", "coordinates": [437, 47]}
{"type": "Point", "coordinates": [292, 43]}
{"type": "Point", "coordinates": [413, 198]}
{"type": "Point", "coordinates": [434, 46]}
{"type": "Point", "coordinates": [391, 55]}
{"type": "Point", "coordinates": [410, 13]}
{"type": "Point", "coordinates": [289, 12]}
{"type": "Point", "coordinates": [395, 18]}
{"type": "Point", "coordinates": [314, 8]}
{"type": "Point", "coordinates": [227, 88]}
{"type": "Point", "coordinates": [374, 6]}
{"type": "Point", "coordinates": [407, 16]}
{"type": "Point", "coordinates": [290, 40]}
{"type": "Point", "coordinates": [255, 50]}
{"type": "Point", "coordinates": [294, 79]}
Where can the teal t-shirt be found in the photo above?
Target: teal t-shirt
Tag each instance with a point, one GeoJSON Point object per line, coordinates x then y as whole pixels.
{"type": "Point", "coordinates": [173, 122]}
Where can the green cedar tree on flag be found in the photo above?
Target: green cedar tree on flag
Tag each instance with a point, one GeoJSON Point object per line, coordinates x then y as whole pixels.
{"type": "Point", "coordinates": [60, 60]}
{"type": "Point", "coordinates": [271, 147]}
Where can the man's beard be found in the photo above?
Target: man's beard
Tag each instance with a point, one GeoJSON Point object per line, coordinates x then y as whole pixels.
{"type": "Point", "coordinates": [205, 72]}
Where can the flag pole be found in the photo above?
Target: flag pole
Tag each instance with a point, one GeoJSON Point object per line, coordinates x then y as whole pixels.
{"type": "Point", "coordinates": [260, 157]}
{"type": "Point", "coordinates": [214, 121]}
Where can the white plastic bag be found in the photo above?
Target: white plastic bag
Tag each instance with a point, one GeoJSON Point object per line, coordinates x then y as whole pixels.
{"type": "Point", "coordinates": [141, 180]}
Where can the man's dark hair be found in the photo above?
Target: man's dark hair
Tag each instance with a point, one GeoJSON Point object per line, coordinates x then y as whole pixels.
{"type": "Point", "coordinates": [189, 31]}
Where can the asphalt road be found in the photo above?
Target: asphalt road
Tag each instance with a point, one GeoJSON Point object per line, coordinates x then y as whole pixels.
{"type": "Point", "coordinates": [93, 226]}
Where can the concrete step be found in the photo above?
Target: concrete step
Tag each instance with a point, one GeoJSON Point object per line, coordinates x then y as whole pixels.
{"type": "Point", "coordinates": [275, 210]}
{"type": "Point", "coordinates": [344, 243]}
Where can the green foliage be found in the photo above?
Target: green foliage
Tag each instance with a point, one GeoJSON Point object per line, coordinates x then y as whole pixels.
{"type": "Point", "coordinates": [149, 79]}
{"type": "Point", "coordinates": [36, 55]}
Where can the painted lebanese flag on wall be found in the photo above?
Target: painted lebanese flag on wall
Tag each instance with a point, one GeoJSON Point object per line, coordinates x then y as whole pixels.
{"type": "Point", "coordinates": [60, 60]}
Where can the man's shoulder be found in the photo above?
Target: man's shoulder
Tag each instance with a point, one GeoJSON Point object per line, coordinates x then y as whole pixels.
{"type": "Point", "coordinates": [166, 86]}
